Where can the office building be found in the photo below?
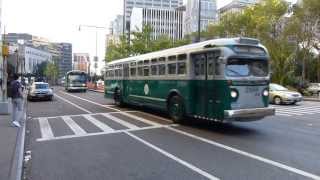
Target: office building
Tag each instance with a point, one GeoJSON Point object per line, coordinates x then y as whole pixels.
{"type": "Point", "coordinates": [27, 60]}
{"type": "Point", "coordinates": [164, 22]}
{"type": "Point", "coordinates": [236, 6]}
{"type": "Point", "coordinates": [155, 4]}
{"type": "Point", "coordinates": [115, 31]}
{"type": "Point", "coordinates": [65, 61]}
{"type": "Point", "coordinates": [208, 15]}
{"type": "Point", "coordinates": [81, 62]}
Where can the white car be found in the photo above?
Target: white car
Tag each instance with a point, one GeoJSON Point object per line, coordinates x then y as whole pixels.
{"type": "Point", "coordinates": [314, 88]}
{"type": "Point", "coordinates": [40, 90]}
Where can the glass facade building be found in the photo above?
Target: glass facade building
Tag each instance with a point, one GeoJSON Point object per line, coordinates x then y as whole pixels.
{"type": "Point", "coordinates": [208, 15]}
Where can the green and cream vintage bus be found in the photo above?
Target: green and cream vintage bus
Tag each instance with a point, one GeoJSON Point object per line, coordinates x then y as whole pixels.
{"type": "Point", "coordinates": [219, 80]}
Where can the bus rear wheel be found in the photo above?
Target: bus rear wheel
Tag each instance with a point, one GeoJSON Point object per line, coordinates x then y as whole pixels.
{"type": "Point", "coordinates": [176, 109]}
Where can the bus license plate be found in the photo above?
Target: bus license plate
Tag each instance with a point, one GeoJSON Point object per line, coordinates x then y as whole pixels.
{"type": "Point", "coordinates": [252, 89]}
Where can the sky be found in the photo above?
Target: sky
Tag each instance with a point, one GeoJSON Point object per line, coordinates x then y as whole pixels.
{"type": "Point", "coordinates": [58, 20]}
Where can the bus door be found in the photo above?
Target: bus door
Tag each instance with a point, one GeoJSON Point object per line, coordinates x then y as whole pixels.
{"type": "Point", "coordinates": [125, 86]}
{"type": "Point", "coordinates": [200, 87]}
{"type": "Point", "coordinates": [205, 91]}
{"type": "Point", "coordinates": [212, 85]}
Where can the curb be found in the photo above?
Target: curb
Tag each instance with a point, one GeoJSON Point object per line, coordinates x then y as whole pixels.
{"type": "Point", "coordinates": [17, 163]}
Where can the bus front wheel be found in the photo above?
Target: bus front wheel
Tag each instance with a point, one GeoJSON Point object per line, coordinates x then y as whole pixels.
{"type": "Point", "coordinates": [176, 109]}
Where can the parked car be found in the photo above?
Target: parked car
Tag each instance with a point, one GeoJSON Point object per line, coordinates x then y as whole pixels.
{"type": "Point", "coordinates": [281, 95]}
{"type": "Point", "coordinates": [40, 90]}
{"type": "Point", "coordinates": [314, 89]}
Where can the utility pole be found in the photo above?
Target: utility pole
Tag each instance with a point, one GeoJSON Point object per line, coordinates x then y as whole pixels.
{"type": "Point", "coordinates": [199, 22]}
{"type": "Point", "coordinates": [96, 55]}
{"type": "Point", "coordinates": [4, 106]}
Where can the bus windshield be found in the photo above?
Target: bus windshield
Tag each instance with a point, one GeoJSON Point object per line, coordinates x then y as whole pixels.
{"type": "Point", "coordinates": [77, 78]}
{"type": "Point", "coordinates": [246, 67]}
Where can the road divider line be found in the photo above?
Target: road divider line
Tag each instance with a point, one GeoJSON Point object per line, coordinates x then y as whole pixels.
{"type": "Point", "coordinates": [102, 133]}
{"type": "Point", "coordinates": [46, 131]}
{"type": "Point", "coordinates": [171, 156]}
{"type": "Point", "coordinates": [73, 125]}
{"type": "Point", "coordinates": [90, 101]}
{"type": "Point", "coordinates": [247, 154]}
{"type": "Point", "coordinates": [157, 117]}
{"type": "Point", "coordinates": [124, 123]}
{"type": "Point", "coordinates": [79, 107]}
{"type": "Point", "coordinates": [140, 119]}
{"type": "Point", "coordinates": [99, 124]}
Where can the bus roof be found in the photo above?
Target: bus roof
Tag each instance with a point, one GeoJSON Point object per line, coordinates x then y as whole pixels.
{"type": "Point", "coordinates": [192, 47]}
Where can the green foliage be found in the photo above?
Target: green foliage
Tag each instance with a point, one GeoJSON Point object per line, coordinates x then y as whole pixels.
{"type": "Point", "coordinates": [51, 72]}
{"type": "Point", "coordinates": [141, 43]}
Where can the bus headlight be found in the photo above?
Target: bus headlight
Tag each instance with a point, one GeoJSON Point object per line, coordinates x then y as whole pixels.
{"type": "Point", "coordinates": [234, 94]}
{"type": "Point", "coordinates": [265, 92]}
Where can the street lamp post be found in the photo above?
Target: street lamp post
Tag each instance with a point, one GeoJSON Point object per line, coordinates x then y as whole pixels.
{"type": "Point", "coordinates": [96, 55]}
{"type": "Point", "coordinates": [199, 22]}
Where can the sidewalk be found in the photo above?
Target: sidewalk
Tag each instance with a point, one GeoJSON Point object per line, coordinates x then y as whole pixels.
{"type": "Point", "coordinates": [11, 147]}
{"type": "Point", "coordinates": [8, 138]}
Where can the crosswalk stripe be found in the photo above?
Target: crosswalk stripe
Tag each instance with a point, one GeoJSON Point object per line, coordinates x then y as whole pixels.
{"type": "Point", "coordinates": [73, 126]}
{"type": "Point", "coordinates": [98, 123]}
{"type": "Point", "coordinates": [140, 119]}
{"type": "Point", "coordinates": [296, 107]}
{"type": "Point", "coordinates": [46, 131]}
{"type": "Point", "coordinates": [124, 123]}
{"type": "Point", "coordinates": [303, 111]}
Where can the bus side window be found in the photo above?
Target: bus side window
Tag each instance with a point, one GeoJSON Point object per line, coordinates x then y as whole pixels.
{"type": "Point", "coordinates": [154, 70]}
{"type": "Point", "coordinates": [140, 71]}
{"type": "Point", "coordinates": [199, 64]}
{"type": "Point", "coordinates": [162, 69]}
{"type": "Point", "coordinates": [133, 72]}
{"type": "Point", "coordinates": [146, 71]}
{"type": "Point", "coordinates": [182, 68]}
{"type": "Point", "coordinates": [126, 70]}
{"type": "Point", "coordinates": [210, 60]}
{"type": "Point", "coordinates": [172, 68]}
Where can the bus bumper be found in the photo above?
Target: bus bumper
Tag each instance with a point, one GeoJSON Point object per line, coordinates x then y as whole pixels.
{"type": "Point", "coordinates": [248, 114]}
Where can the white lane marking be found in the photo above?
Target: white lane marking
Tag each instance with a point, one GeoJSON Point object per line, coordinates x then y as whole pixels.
{"type": "Point", "coordinates": [157, 117]}
{"type": "Point", "coordinates": [98, 123]}
{"type": "Point", "coordinates": [46, 131]}
{"type": "Point", "coordinates": [140, 119]}
{"type": "Point", "coordinates": [81, 108]}
{"type": "Point", "coordinates": [103, 133]}
{"type": "Point", "coordinates": [77, 115]}
{"type": "Point", "coordinates": [171, 156]}
{"type": "Point", "coordinates": [91, 101]}
{"type": "Point", "coordinates": [256, 157]}
{"type": "Point", "coordinates": [73, 125]}
{"type": "Point", "coordinates": [124, 123]}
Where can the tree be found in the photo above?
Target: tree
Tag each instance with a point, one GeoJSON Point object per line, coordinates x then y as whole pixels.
{"type": "Point", "coordinates": [141, 42]}
{"type": "Point", "coordinates": [304, 27]}
{"type": "Point", "coordinates": [51, 72]}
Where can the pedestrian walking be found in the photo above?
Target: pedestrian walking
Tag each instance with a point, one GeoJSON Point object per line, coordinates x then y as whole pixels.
{"type": "Point", "coordinates": [17, 100]}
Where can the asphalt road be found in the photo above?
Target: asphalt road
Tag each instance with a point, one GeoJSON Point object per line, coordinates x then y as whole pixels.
{"type": "Point", "coordinates": [82, 136]}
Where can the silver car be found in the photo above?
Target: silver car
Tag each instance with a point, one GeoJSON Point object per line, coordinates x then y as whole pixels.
{"type": "Point", "coordinates": [314, 89]}
{"type": "Point", "coordinates": [40, 90]}
{"type": "Point", "coordinates": [281, 95]}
